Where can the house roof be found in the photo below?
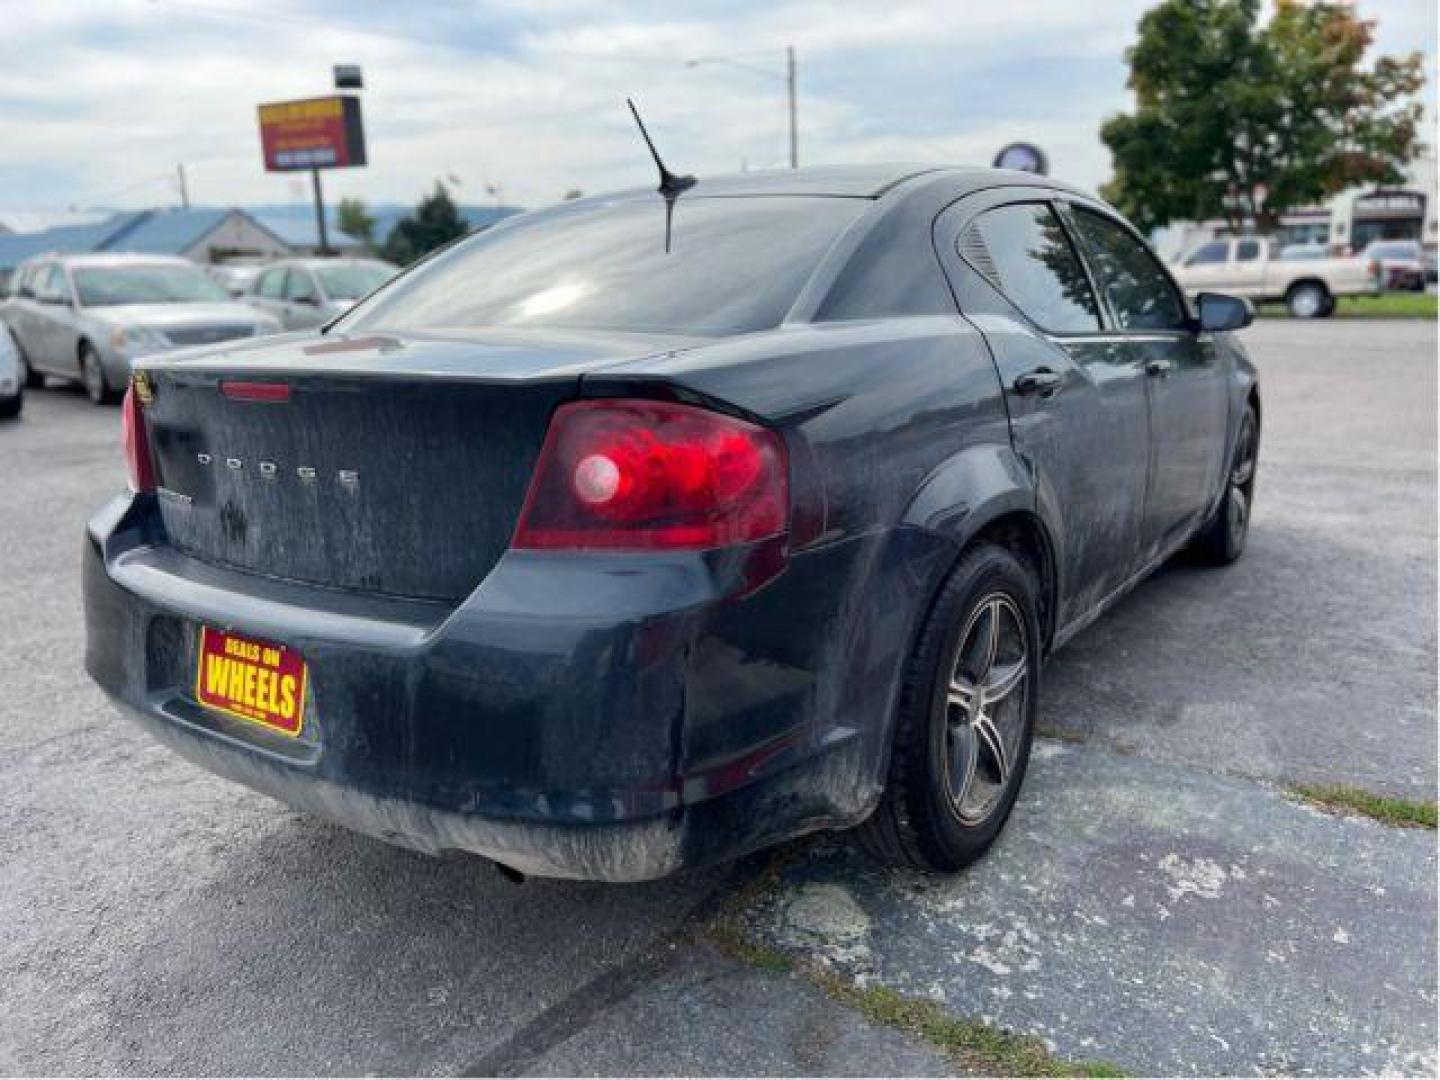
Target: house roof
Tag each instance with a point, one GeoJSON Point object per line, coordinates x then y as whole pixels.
{"type": "Point", "coordinates": [300, 231]}
{"type": "Point", "coordinates": [70, 239]}
{"type": "Point", "coordinates": [168, 232]}
{"type": "Point", "coordinates": [147, 232]}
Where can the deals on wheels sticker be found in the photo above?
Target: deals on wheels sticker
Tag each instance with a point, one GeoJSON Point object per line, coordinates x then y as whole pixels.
{"type": "Point", "coordinates": [251, 679]}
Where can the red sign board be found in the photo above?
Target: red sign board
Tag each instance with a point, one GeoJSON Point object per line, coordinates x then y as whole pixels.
{"type": "Point", "coordinates": [315, 133]}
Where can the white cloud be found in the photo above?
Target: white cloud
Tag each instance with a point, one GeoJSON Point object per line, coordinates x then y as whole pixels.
{"type": "Point", "coordinates": [99, 100]}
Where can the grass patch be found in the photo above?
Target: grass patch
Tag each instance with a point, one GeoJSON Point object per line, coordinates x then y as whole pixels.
{"type": "Point", "coordinates": [1342, 798]}
{"type": "Point", "coordinates": [969, 1043]}
{"type": "Point", "coordinates": [973, 1046]}
{"type": "Point", "coordinates": [1388, 305]}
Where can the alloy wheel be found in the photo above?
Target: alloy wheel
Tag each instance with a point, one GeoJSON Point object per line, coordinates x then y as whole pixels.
{"type": "Point", "coordinates": [1244, 467]}
{"type": "Point", "coordinates": [1307, 303]}
{"type": "Point", "coordinates": [1242, 472]}
{"type": "Point", "coordinates": [985, 708]}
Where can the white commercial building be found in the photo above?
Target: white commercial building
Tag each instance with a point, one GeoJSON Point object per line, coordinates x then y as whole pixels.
{"type": "Point", "coordinates": [1347, 223]}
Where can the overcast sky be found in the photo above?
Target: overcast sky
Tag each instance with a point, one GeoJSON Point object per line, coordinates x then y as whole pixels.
{"type": "Point", "coordinates": [100, 98]}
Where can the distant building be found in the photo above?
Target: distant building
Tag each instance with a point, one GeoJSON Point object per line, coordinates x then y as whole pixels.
{"type": "Point", "coordinates": [204, 235]}
{"type": "Point", "coordinates": [1347, 223]}
{"type": "Point", "coordinates": [302, 235]}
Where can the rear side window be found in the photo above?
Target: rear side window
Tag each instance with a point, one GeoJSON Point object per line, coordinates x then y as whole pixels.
{"type": "Point", "coordinates": [271, 283]}
{"type": "Point", "coordinates": [1247, 251]}
{"type": "Point", "coordinates": [1136, 286]}
{"type": "Point", "coordinates": [733, 265]}
{"type": "Point", "coordinates": [1217, 251]}
{"type": "Point", "coordinates": [1023, 249]}
{"type": "Point", "coordinates": [50, 284]}
{"type": "Point", "coordinates": [298, 285]}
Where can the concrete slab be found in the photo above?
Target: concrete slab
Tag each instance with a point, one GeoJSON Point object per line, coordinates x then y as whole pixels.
{"type": "Point", "coordinates": [1158, 917]}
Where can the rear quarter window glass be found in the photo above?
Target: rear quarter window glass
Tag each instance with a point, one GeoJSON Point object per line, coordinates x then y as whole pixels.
{"type": "Point", "coordinates": [734, 265]}
{"type": "Point", "coordinates": [271, 283]}
{"type": "Point", "coordinates": [1215, 252]}
{"type": "Point", "coordinates": [1028, 256]}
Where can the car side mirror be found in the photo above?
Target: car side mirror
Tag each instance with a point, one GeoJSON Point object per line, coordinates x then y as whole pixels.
{"type": "Point", "coordinates": [1221, 312]}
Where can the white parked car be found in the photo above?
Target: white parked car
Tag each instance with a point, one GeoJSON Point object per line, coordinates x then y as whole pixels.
{"type": "Point", "coordinates": [1256, 268]}
{"type": "Point", "coordinates": [12, 377]}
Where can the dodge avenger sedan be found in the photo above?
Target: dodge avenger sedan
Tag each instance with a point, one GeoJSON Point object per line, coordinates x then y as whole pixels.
{"type": "Point", "coordinates": [642, 532]}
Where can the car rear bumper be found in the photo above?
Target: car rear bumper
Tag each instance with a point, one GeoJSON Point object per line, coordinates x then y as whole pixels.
{"type": "Point", "coordinates": [613, 723]}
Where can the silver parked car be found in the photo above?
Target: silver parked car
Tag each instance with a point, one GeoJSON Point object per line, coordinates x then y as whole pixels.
{"type": "Point", "coordinates": [12, 377]}
{"type": "Point", "coordinates": [85, 317]}
{"type": "Point", "coordinates": [302, 293]}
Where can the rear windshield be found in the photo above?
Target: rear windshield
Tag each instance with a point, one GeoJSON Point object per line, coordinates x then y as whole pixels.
{"type": "Point", "coordinates": [157, 284]}
{"type": "Point", "coordinates": [734, 265]}
{"type": "Point", "coordinates": [350, 281]}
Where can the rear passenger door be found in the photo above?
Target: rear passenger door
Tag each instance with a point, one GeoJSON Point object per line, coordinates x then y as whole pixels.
{"type": "Point", "coordinates": [51, 323]}
{"type": "Point", "coordinates": [18, 305]}
{"type": "Point", "coordinates": [1075, 395]}
{"type": "Point", "coordinates": [1185, 383]}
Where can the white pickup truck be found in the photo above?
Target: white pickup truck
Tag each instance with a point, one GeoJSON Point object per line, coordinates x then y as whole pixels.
{"type": "Point", "coordinates": [1307, 279]}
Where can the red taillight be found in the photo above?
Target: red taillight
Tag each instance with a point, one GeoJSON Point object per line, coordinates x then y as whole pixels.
{"type": "Point", "coordinates": [652, 474]}
{"type": "Point", "coordinates": [137, 446]}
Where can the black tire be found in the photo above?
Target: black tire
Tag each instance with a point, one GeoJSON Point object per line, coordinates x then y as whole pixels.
{"type": "Point", "coordinates": [1329, 308]}
{"type": "Point", "coordinates": [1221, 540]}
{"type": "Point", "coordinates": [92, 376]}
{"type": "Point", "coordinates": [1308, 300]}
{"type": "Point", "coordinates": [920, 822]}
{"type": "Point", "coordinates": [10, 407]}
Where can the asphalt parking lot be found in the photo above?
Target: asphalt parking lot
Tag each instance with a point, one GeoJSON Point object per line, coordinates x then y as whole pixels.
{"type": "Point", "coordinates": [1159, 900]}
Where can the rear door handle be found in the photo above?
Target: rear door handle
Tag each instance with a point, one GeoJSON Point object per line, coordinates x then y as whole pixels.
{"type": "Point", "coordinates": [1158, 367]}
{"type": "Point", "coordinates": [1041, 381]}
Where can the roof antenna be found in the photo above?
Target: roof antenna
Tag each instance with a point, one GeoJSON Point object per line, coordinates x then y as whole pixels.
{"type": "Point", "coordinates": [670, 184]}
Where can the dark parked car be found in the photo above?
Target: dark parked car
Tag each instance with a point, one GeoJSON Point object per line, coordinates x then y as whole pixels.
{"type": "Point", "coordinates": [603, 544]}
{"type": "Point", "coordinates": [1402, 263]}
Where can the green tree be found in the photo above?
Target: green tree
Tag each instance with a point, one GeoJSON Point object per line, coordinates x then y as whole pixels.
{"type": "Point", "coordinates": [1241, 121]}
{"type": "Point", "coordinates": [435, 222]}
{"type": "Point", "coordinates": [355, 219]}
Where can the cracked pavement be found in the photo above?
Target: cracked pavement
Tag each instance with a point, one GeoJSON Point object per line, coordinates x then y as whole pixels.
{"type": "Point", "coordinates": [1157, 901]}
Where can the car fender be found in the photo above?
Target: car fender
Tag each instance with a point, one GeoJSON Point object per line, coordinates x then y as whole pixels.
{"type": "Point", "coordinates": [969, 491]}
{"type": "Point", "coordinates": [974, 487]}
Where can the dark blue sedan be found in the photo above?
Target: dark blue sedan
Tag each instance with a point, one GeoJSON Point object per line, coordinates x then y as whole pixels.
{"type": "Point", "coordinates": [640, 533]}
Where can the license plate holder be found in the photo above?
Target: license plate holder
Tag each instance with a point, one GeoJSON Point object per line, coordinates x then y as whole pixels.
{"type": "Point", "coordinates": [258, 681]}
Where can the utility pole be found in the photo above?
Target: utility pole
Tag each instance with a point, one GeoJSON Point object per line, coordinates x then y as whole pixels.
{"type": "Point", "coordinates": [790, 86]}
{"type": "Point", "coordinates": [788, 78]}
{"type": "Point", "coordinates": [184, 190]}
{"type": "Point", "coordinates": [320, 212]}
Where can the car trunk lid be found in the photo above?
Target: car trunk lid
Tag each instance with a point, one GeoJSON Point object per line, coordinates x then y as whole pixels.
{"type": "Point", "coordinates": [385, 464]}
